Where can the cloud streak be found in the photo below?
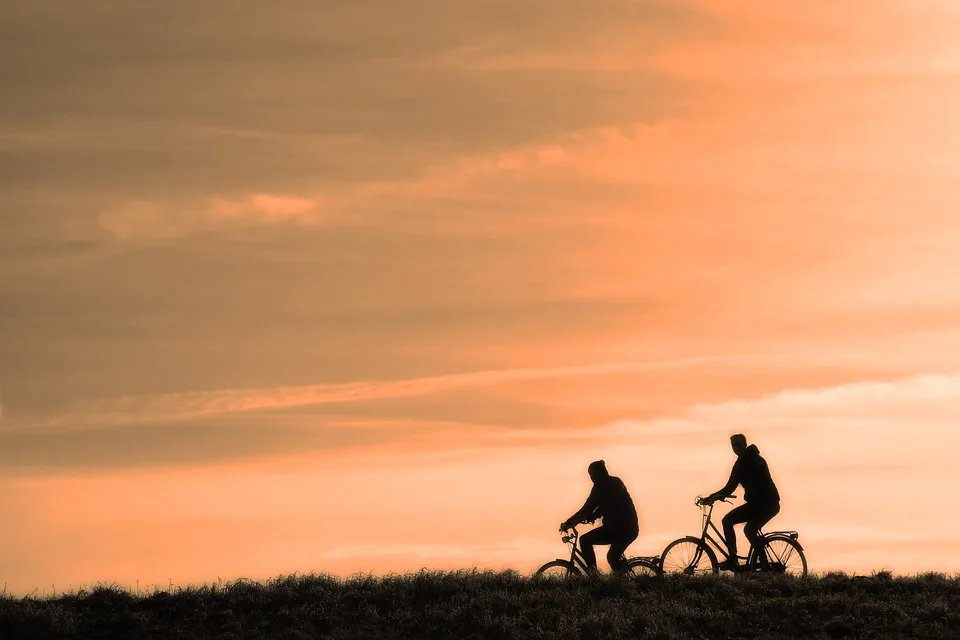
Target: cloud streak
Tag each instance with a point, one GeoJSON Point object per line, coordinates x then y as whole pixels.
{"type": "Point", "coordinates": [150, 220]}
{"type": "Point", "coordinates": [190, 405]}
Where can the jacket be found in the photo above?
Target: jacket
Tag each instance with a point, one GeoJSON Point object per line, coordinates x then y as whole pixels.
{"type": "Point", "coordinates": [751, 471]}
{"type": "Point", "coordinates": [610, 500]}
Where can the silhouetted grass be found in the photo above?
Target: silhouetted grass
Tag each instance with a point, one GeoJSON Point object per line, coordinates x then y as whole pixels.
{"type": "Point", "coordinates": [471, 604]}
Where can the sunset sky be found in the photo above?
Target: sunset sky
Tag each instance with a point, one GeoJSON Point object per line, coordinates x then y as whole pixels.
{"type": "Point", "coordinates": [325, 286]}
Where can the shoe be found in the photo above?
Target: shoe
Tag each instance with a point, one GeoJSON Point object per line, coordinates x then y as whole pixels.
{"type": "Point", "coordinates": [729, 565]}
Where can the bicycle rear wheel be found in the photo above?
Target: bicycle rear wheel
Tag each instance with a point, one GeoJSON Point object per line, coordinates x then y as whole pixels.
{"type": "Point", "coordinates": [558, 569]}
{"type": "Point", "coordinates": [688, 556]}
{"type": "Point", "coordinates": [780, 554]}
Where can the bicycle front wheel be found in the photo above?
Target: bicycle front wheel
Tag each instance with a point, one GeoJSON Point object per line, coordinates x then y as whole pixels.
{"type": "Point", "coordinates": [642, 567]}
{"type": "Point", "coordinates": [688, 556]}
{"type": "Point", "coordinates": [558, 569]}
{"type": "Point", "coordinates": [781, 554]}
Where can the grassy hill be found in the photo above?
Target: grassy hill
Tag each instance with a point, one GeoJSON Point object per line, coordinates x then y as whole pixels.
{"type": "Point", "coordinates": [471, 604]}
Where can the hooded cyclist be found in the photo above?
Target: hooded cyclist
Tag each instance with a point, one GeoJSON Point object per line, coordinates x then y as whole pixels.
{"type": "Point", "coordinates": [610, 500]}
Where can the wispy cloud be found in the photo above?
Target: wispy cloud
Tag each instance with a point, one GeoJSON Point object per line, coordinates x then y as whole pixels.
{"type": "Point", "coordinates": [858, 407]}
{"type": "Point", "coordinates": [188, 405]}
{"type": "Point", "coordinates": [216, 426]}
{"type": "Point", "coordinates": [136, 219]}
{"type": "Point", "coordinates": [919, 391]}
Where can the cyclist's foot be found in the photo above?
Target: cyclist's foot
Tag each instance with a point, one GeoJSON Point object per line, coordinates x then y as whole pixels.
{"type": "Point", "coordinates": [729, 565]}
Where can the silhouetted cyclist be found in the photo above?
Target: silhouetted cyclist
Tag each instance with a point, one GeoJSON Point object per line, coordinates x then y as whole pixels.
{"type": "Point", "coordinates": [759, 493]}
{"type": "Point", "coordinates": [610, 500]}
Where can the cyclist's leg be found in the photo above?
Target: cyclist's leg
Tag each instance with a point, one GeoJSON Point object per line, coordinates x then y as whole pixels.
{"type": "Point", "coordinates": [617, 548]}
{"type": "Point", "coordinates": [762, 515]}
{"type": "Point", "coordinates": [600, 535]}
{"type": "Point", "coordinates": [743, 513]}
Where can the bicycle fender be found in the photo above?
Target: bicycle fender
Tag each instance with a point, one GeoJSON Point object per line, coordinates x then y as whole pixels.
{"type": "Point", "coordinates": [693, 539]}
{"type": "Point", "coordinates": [780, 536]}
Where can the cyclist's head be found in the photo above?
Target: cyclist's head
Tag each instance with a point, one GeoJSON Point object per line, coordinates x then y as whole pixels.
{"type": "Point", "coordinates": [739, 443]}
{"type": "Point", "coordinates": [597, 470]}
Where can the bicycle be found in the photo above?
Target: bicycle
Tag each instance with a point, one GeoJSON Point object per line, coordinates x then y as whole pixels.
{"type": "Point", "coordinates": [577, 565]}
{"type": "Point", "coordinates": [781, 551]}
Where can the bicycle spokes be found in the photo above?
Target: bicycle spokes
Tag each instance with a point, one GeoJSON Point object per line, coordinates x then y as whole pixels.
{"type": "Point", "coordinates": [781, 556]}
{"type": "Point", "coordinates": [777, 558]}
{"type": "Point", "coordinates": [686, 556]}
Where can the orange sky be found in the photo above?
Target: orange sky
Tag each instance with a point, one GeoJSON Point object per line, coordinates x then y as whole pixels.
{"type": "Point", "coordinates": [350, 287]}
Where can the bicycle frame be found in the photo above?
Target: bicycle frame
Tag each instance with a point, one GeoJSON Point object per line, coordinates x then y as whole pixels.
{"type": "Point", "coordinates": [720, 543]}
{"type": "Point", "coordinates": [707, 519]}
{"type": "Point", "coordinates": [576, 555]}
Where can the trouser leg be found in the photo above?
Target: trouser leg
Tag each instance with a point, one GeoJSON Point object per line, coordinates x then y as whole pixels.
{"type": "Point", "coordinates": [618, 540]}
{"type": "Point", "coordinates": [587, 542]}
{"type": "Point", "coordinates": [743, 513]}
{"type": "Point", "coordinates": [761, 516]}
{"type": "Point", "coordinates": [617, 548]}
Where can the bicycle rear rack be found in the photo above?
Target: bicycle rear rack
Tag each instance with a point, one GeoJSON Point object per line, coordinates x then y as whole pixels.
{"type": "Point", "coordinates": [789, 534]}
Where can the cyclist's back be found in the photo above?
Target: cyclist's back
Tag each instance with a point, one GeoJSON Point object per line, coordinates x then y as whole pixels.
{"type": "Point", "coordinates": [614, 504]}
{"type": "Point", "coordinates": [752, 473]}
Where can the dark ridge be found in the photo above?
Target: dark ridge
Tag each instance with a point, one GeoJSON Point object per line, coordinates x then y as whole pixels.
{"type": "Point", "coordinates": [475, 604]}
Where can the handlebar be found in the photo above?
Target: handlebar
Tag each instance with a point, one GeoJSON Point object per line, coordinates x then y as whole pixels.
{"type": "Point", "coordinates": [574, 534]}
{"type": "Point", "coordinates": [703, 502]}
{"type": "Point", "coordinates": [573, 527]}
{"type": "Point", "coordinates": [570, 537]}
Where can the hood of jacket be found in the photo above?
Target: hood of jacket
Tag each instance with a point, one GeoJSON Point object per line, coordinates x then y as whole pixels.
{"type": "Point", "coordinates": [752, 450]}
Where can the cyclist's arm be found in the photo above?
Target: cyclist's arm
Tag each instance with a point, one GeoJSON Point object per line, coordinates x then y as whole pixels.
{"type": "Point", "coordinates": [728, 488]}
{"type": "Point", "coordinates": [587, 511]}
